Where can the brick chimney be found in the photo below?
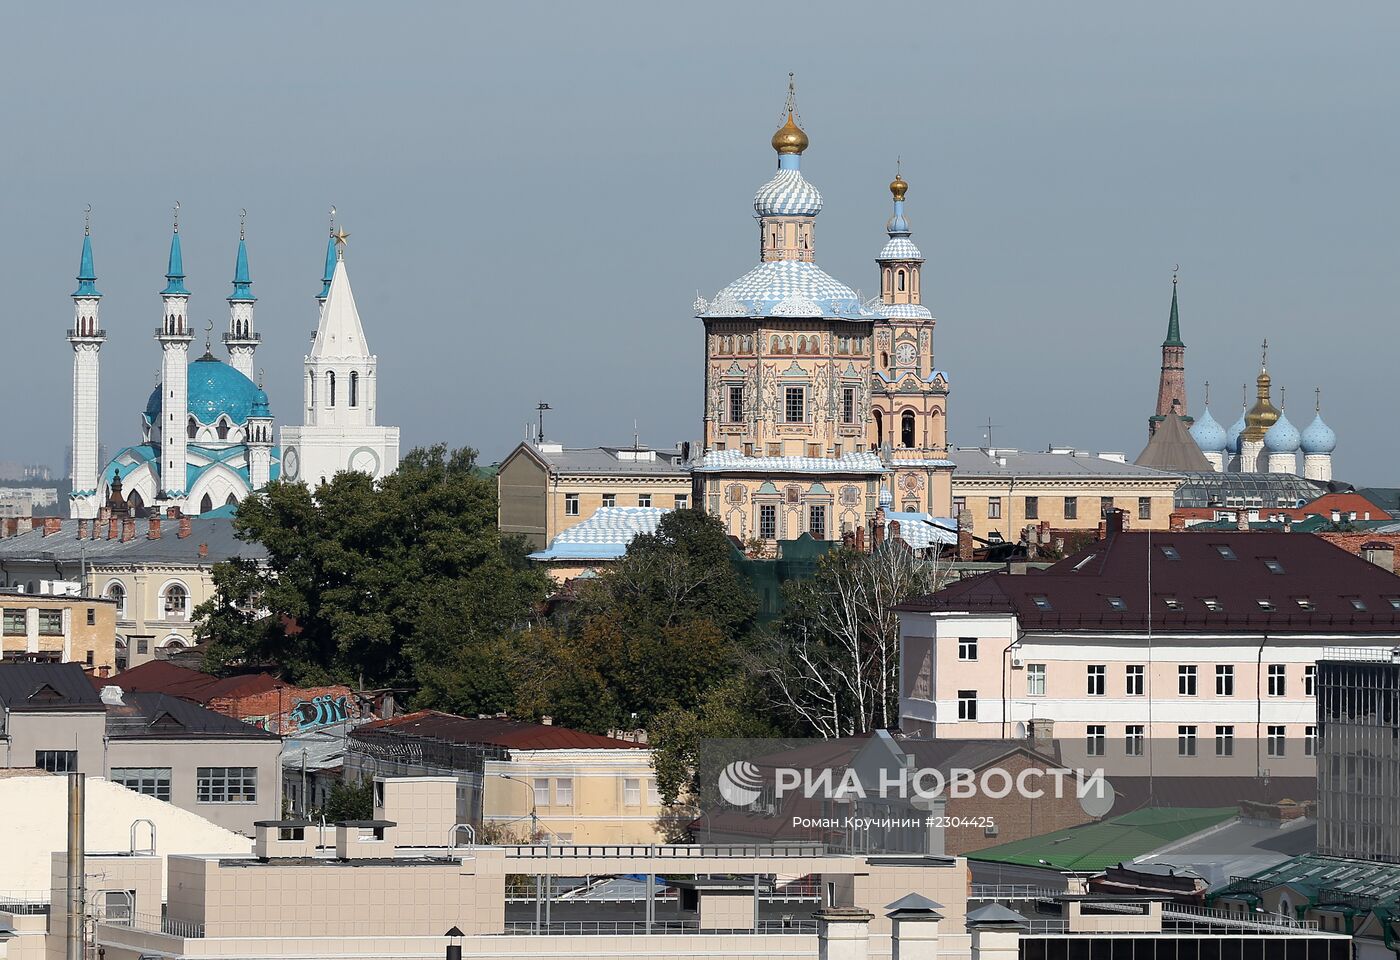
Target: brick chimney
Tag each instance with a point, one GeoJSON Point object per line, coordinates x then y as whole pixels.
{"type": "Point", "coordinates": [112, 528]}
{"type": "Point", "coordinates": [52, 525]}
{"type": "Point", "coordinates": [1241, 519]}
{"type": "Point", "coordinates": [185, 527]}
{"type": "Point", "coordinates": [172, 512]}
{"type": "Point", "coordinates": [965, 546]}
{"type": "Point", "coordinates": [203, 550]}
{"type": "Point", "coordinates": [879, 531]}
{"type": "Point", "coordinates": [128, 529]}
{"type": "Point", "coordinates": [12, 526]}
{"type": "Point", "coordinates": [1176, 521]}
{"type": "Point", "coordinates": [860, 539]}
{"type": "Point", "coordinates": [894, 529]}
{"type": "Point", "coordinates": [154, 533]}
{"type": "Point", "coordinates": [82, 529]}
{"type": "Point", "coordinates": [1287, 523]}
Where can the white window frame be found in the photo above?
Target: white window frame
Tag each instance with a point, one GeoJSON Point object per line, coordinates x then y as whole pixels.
{"type": "Point", "coordinates": [1035, 678]}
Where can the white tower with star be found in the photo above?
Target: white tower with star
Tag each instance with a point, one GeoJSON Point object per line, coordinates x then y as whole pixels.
{"type": "Point", "coordinates": [86, 337]}
{"type": "Point", "coordinates": [340, 428]}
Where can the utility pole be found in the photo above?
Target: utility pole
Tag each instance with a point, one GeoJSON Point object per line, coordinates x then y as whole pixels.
{"type": "Point", "coordinates": [542, 407]}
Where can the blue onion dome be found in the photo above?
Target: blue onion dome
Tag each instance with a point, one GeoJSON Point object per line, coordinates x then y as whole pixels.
{"type": "Point", "coordinates": [1282, 437]}
{"type": "Point", "coordinates": [1319, 437]}
{"type": "Point", "coordinates": [1232, 436]}
{"type": "Point", "coordinates": [788, 194]}
{"type": "Point", "coordinates": [215, 390]}
{"type": "Point", "coordinates": [1209, 435]}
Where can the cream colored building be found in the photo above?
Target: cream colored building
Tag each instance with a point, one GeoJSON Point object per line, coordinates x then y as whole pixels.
{"type": "Point", "coordinates": [155, 570]}
{"type": "Point", "coordinates": [1004, 491]}
{"type": "Point", "coordinates": [547, 488]}
{"type": "Point", "coordinates": [59, 629]}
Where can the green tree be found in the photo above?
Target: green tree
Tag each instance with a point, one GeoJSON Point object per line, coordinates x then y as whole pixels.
{"type": "Point", "coordinates": [350, 801]}
{"type": "Point", "coordinates": [405, 582]}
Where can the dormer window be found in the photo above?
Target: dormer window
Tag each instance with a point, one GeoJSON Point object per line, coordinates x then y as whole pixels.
{"type": "Point", "coordinates": [1116, 603]}
{"type": "Point", "coordinates": [1213, 604]}
{"type": "Point", "coordinates": [1041, 602]}
{"type": "Point", "coordinates": [1225, 552]}
{"type": "Point", "coordinates": [1169, 551]}
{"type": "Point", "coordinates": [1274, 566]}
{"type": "Point", "coordinates": [1266, 605]}
{"type": "Point", "coordinates": [1172, 603]}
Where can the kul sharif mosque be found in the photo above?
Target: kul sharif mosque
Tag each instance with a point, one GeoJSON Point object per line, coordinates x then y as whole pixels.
{"type": "Point", "coordinates": [207, 431]}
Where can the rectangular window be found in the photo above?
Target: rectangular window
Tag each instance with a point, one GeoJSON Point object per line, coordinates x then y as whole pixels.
{"type": "Point", "coordinates": [1169, 551]}
{"type": "Point", "coordinates": [1310, 741]}
{"type": "Point", "coordinates": [1224, 680]}
{"type": "Point", "coordinates": [967, 648]}
{"type": "Point", "coordinates": [795, 407]}
{"type": "Point", "coordinates": [564, 792]}
{"type": "Point", "coordinates": [143, 645]}
{"type": "Point", "coordinates": [848, 405]}
{"type": "Point", "coordinates": [1144, 508]}
{"type": "Point", "coordinates": [91, 617]}
{"type": "Point", "coordinates": [1133, 739]}
{"type": "Point", "coordinates": [1277, 740]}
{"type": "Point", "coordinates": [1310, 680]}
{"type": "Point", "coordinates": [994, 508]}
{"type": "Point", "coordinates": [1225, 552]}
{"type": "Point", "coordinates": [1265, 605]}
{"type": "Point", "coordinates": [1105, 506]}
{"type": "Point", "coordinates": [967, 704]}
{"type": "Point", "coordinates": [1273, 565]}
{"type": "Point", "coordinates": [1278, 680]}
{"type": "Point", "coordinates": [14, 625]}
{"type": "Point", "coordinates": [1356, 603]}
{"type": "Point", "coordinates": [1225, 741]}
{"type": "Point", "coordinates": [959, 505]}
{"type": "Point", "coordinates": [1095, 739]}
{"type": "Point", "coordinates": [643, 499]}
{"type": "Point", "coordinates": [1041, 602]}
{"type": "Point", "coordinates": [682, 501]}
{"type": "Point", "coordinates": [1071, 508]}
{"type": "Point", "coordinates": [56, 761]}
{"type": "Point", "coordinates": [1305, 603]}
{"type": "Point", "coordinates": [768, 521]}
{"type": "Point", "coordinates": [631, 792]}
{"type": "Point", "coordinates": [151, 781]}
{"type": "Point", "coordinates": [226, 785]}
{"type": "Point", "coordinates": [1136, 680]}
{"type": "Point", "coordinates": [50, 623]}
{"type": "Point", "coordinates": [736, 404]}
{"type": "Point", "coordinates": [570, 504]}
{"type": "Point", "coordinates": [816, 521]}
{"type": "Point", "coordinates": [1032, 508]}
{"type": "Point", "coordinates": [653, 793]}
{"type": "Point", "coordinates": [609, 499]}
{"type": "Point", "coordinates": [1186, 740]}
{"type": "Point", "coordinates": [1095, 674]}
{"type": "Point", "coordinates": [1035, 680]}
{"type": "Point", "coordinates": [1186, 681]}
{"type": "Point", "coordinates": [541, 788]}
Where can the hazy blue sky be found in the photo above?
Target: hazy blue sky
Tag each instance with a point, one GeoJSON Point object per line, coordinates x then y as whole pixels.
{"type": "Point", "coordinates": [536, 191]}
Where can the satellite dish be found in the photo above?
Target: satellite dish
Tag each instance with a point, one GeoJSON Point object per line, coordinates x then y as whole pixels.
{"type": "Point", "coordinates": [1098, 798]}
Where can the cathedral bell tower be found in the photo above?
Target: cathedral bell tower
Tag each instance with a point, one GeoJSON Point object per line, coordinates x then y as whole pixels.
{"type": "Point", "coordinates": [86, 338]}
{"type": "Point", "coordinates": [174, 338]}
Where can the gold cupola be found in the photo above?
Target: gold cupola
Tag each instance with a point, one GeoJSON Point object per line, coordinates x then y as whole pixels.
{"type": "Point", "coordinates": [790, 138]}
{"type": "Point", "coordinates": [1263, 414]}
{"type": "Point", "coordinates": [898, 187]}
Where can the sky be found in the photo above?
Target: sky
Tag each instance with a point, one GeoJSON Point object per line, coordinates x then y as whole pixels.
{"type": "Point", "coordinates": [537, 191]}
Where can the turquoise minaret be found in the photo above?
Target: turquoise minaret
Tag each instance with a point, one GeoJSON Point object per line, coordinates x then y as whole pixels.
{"type": "Point", "coordinates": [241, 340]}
{"type": "Point", "coordinates": [86, 338]}
{"type": "Point", "coordinates": [169, 428]}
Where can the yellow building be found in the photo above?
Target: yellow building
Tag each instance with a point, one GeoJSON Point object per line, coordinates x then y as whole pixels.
{"type": "Point", "coordinates": [547, 488]}
{"type": "Point", "coordinates": [59, 629]}
{"type": "Point", "coordinates": [1004, 491]}
{"type": "Point", "coordinates": [814, 400]}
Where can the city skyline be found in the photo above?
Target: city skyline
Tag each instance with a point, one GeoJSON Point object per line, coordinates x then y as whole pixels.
{"type": "Point", "coordinates": [535, 208]}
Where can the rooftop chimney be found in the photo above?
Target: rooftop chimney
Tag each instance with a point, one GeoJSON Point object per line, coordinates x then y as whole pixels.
{"type": "Point", "coordinates": [1241, 519]}
{"type": "Point", "coordinates": [547, 721]}
{"type": "Point", "coordinates": [52, 525]}
{"type": "Point", "coordinates": [172, 512]}
{"type": "Point", "coordinates": [128, 529]}
{"type": "Point", "coordinates": [82, 529]}
{"type": "Point", "coordinates": [112, 528]}
{"type": "Point", "coordinates": [154, 533]}
{"type": "Point", "coordinates": [185, 527]}
{"type": "Point", "coordinates": [204, 550]}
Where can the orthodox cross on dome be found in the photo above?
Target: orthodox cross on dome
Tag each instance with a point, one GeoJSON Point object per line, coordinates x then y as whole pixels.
{"type": "Point", "coordinates": [792, 94]}
{"type": "Point", "coordinates": [1264, 355]}
{"type": "Point", "coordinates": [1207, 393]}
{"type": "Point", "coordinates": [1317, 401]}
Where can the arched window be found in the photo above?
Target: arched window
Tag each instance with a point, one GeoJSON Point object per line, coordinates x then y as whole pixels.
{"type": "Point", "coordinates": [900, 275]}
{"type": "Point", "coordinates": [232, 501]}
{"type": "Point", "coordinates": [879, 428]}
{"type": "Point", "coordinates": [222, 428]}
{"type": "Point", "coordinates": [134, 503]}
{"type": "Point", "coordinates": [192, 428]}
{"type": "Point", "coordinates": [330, 388]}
{"type": "Point", "coordinates": [906, 429]}
{"type": "Point", "coordinates": [354, 387]}
{"type": "Point", "coordinates": [117, 592]}
{"type": "Point", "coordinates": [311, 382]}
{"type": "Point", "coordinates": [884, 359]}
{"type": "Point", "coordinates": [175, 602]}
{"type": "Point", "coordinates": [206, 504]}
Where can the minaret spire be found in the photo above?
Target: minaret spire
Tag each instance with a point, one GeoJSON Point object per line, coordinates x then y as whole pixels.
{"type": "Point", "coordinates": [330, 264]}
{"type": "Point", "coordinates": [86, 337]}
{"type": "Point", "coordinates": [174, 337]}
{"type": "Point", "coordinates": [241, 340]}
{"type": "Point", "coordinates": [1171, 383]}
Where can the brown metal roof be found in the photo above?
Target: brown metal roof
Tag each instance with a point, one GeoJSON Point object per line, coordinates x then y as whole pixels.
{"type": "Point", "coordinates": [1255, 582]}
{"type": "Point", "coordinates": [511, 734]}
{"type": "Point", "coordinates": [160, 676]}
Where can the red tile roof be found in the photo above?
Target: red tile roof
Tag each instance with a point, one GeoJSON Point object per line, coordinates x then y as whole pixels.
{"type": "Point", "coordinates": [1308, 586]}
{"type": "Point", "coordinates": [160, 676]}
{"type": "Point", "coordinates": [511, 734]}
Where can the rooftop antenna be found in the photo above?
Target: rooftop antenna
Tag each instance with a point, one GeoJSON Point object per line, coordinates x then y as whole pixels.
{"type": "Point", "coordinates": [542, 407]}
{"type": "Point", "coordinates": [988, 435]}
{"type": "Point", "coordinates": [636, 441]}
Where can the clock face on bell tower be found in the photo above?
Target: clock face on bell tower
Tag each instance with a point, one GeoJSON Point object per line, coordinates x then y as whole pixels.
{"type": "Point", "coordinates": [365, 460]}
{"type": "Point", "coordinates": [905, 354]}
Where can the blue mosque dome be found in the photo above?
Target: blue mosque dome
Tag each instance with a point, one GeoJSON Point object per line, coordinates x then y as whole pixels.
{"type": "Point", "coordinates": [1232, 436]}
{"type": "Point", "coordinates": [260, 405]}
{"type": "Point", "coordinates": [1318, 437]}
{"type": "Point", "coordinates": [1282, 437]}
{"type": "Point", "coordinates": [215, 389]}
{"type": "Point", "coordinates": [1209, 435]}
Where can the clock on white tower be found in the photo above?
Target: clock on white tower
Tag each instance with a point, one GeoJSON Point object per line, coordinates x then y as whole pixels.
{"type": "Point", "coordinates": [291, 463]}
{"type": "Point", "coordinates": [365, 460]}
{"type": "Point", "coordinates": [905, 354]}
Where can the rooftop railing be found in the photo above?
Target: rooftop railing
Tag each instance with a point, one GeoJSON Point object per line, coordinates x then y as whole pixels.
{"type": "Point", "coordinates": [679, 851]}
{"type": "Point", "coordinates": [604, 928]}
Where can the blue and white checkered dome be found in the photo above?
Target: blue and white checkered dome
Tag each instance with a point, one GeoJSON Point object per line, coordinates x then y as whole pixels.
{"type": "Point", "coordinates": [1282, 437]}
{"type": "Point", "coordinates": [1318, 437]}
{"type": "Point", "coordinates": [886, 497]}
{"type": "Point", "coordinates": [900, 248]}
{"type": "Point", "coordinates": [788, 194]}
{"type": "Point", "coordinates": [788, 288]}
{"type": "Point", "coordinates": [1209, 435]}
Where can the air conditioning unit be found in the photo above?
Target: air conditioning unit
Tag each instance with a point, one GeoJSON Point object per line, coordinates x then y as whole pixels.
{"type": "Point", "coordinates": [991, 831]}
{"type": "Point", "coordinates": [1015, 662]}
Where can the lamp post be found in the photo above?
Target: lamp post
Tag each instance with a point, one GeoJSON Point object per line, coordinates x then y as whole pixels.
{"type": "Point", "coordinates": [534, 831]}
{"type": "Point", "coordinates": [454, 946]}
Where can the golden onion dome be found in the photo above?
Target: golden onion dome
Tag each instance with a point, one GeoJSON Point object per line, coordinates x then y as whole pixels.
{"type": "Point", "coordinates": [1263, 414]}
{"type": "Point", "coordinates": [898, 187]}
{"type": "Point", "coordinates": [790, 138]}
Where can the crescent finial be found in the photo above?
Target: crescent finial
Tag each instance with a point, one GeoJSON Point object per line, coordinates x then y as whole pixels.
{"type": "Point", "coordinates": [87, 220]}
{"type": "Point", "coordinates": [177, 216]}
{"type": "Point", "coordinates": [242, 223]}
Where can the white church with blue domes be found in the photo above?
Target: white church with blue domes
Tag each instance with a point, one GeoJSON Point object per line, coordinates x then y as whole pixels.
{"type": "Point", "coordinates": [208, 437]}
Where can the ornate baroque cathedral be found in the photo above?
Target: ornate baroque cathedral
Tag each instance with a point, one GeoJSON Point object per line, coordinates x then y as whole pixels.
{"type": "Point", "coordinates": [819, 409]}
{"type": "Point", "coordinates": [207, 427]}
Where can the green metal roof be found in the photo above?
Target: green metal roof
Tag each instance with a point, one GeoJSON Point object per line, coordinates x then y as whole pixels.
{"type": "Point", "coordinates": [1173, 324]}
{"type": "Point", "coordinates": [1097, 846]}
{"type": "Point", "coordinates": [1312, 874]}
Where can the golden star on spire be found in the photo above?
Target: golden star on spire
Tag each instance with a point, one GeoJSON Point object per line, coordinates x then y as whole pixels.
{"type": "Point", "coordinates": [340, 235]}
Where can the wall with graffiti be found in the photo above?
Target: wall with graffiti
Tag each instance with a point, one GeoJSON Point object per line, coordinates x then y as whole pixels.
{"type": "Point", "coordinates": [289, 711]}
